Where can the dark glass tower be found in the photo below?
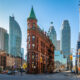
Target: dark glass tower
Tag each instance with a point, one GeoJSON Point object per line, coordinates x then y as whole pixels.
{"type": "Point", "coordinates": [65, 44]}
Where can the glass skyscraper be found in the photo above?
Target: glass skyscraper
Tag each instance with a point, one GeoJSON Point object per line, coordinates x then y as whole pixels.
{"type": "Point", "coordinates": [6, 42]}
{"type": "Point", "coordinates": [22, 53]}
{"type": "Point", "coordinates": [52, 35]}
{"type": "Point", "coordinates": [58, 57]}
{"type": "Point", "coordinates": [14, 38]}
{"type": "Point", "coordinates": [65, 44]}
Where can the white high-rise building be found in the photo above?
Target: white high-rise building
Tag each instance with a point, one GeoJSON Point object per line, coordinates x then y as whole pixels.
{"type": "Point", "coordinates": [4, 39]}
{"type": "Point", "coordinates": [58, 45]}
{"type": "Point", "coordinates": [52, 35]}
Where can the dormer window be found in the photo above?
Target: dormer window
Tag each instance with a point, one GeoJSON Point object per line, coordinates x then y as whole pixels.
{"type": "Point", "coordinates": [33, 24]}
{"type": "Point", "coordinates": [33, 27]}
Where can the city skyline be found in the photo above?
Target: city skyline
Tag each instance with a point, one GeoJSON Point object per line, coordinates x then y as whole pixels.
{"type": "Point", "coordinates": [40, 39]}
{"type": "Point", "coordinates": [45, 14]}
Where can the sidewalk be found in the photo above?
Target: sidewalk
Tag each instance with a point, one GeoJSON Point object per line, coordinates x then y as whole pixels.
{"type": "Point", "coordinates": [78, 75]}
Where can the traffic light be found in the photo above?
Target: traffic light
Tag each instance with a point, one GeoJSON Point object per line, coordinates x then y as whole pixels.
{"type": "Point", "coordinates": [24, 66]}
{"type": "Point", "coordinates": [41, 59]}
{"type": "Point", "coordinates": [71, 57]}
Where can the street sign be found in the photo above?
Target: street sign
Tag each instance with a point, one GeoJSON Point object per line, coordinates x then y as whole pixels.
{"type": "Point", "coordinates": [79, 68]}
{"type": "Point", "coordinates": [76, 56]}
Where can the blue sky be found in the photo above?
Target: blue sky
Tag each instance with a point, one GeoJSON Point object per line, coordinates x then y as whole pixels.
{"type": "Point", "coordinates": [46, 11]}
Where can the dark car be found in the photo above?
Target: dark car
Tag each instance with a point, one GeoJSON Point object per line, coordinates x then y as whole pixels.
{"type": "Point", "coordinates": [22, 70]}
{"type": "Point", "coordinates": [11, 72]}
{"type": "Point", "coordinates": [72, 71]}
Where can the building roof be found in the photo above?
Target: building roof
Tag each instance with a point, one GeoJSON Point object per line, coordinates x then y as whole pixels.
{"type": "Point", "coordinates": [65, 25]}
{"type": "Point", "coordinates": [32, 14]}
{"type": "Point", "coordinates": [79, 36]}
{"type": "Point", "coordinates": [52, 30]}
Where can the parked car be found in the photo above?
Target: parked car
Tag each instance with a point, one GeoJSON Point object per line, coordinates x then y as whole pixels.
{"type": "Point", "coordinates": [4, 72]}
{"type": "Point", "coordinates": [15, 71]}
{"type": "Point", "coordinates": [11, 72]}
{"type": "Point", "coordinates": [73, 71]}
{"type": "Point", "coordinates": [22, 70]}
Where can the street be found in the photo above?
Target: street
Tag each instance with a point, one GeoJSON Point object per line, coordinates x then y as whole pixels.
{"type": "Point", "coordinates": [54, 76]}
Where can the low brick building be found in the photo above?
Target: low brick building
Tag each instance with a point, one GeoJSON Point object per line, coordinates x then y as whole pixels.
{"type": "Point", "coordinates": [14, 62]}
{"type": "Point", "coordinates": [10, 61]}
{"type": "Point", "coordinates": [7, 61]}
{"type": "Point", "coordinates": [40, 50]}
{"type": "Point", "coordinates": [18, 62]}
{"type": "Point", "coordinates": [3, 59]}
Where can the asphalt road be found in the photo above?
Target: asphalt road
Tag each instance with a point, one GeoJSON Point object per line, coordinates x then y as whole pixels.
{"type": "Point", "coordinates": [55, 76]}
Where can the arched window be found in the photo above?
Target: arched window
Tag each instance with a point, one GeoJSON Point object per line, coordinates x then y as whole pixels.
{"type": "Point", "coordinates": [29, 38]}
{"type": "Point", "coordinates": [33, 38]}
{"type": "Point", "coordinates": [33, 46]}
{"type": "Point", "coordinates": [32, 55]}
{"type": "Point", "coordinates": [29, 46]}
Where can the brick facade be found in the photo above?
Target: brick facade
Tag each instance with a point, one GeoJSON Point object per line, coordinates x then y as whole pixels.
{"type": "Point", "coordinates": [40, 50]}
{"type": "Point", "coordinates": [3, 59]}
{"type": "Point", "coordinates": [7, 61]}
{"type": "Point", "coordinates": [10, 61]}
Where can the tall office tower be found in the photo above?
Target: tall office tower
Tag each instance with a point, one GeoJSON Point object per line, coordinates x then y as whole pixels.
{"type": "Point", "coordinates": [4, 40]}
{"type": "Point", "coordinates": [52, 35]}
{"type": "Point", "coordinates": [14, 38]}
{"type": "Point", "coordinates": [65, 43]}
{"type": "Point", "coordinates": [22, 52]}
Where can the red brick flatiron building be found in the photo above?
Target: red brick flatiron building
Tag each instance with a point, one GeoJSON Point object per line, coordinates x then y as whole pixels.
{"type": "Point", "coordinates": [40, 50]}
